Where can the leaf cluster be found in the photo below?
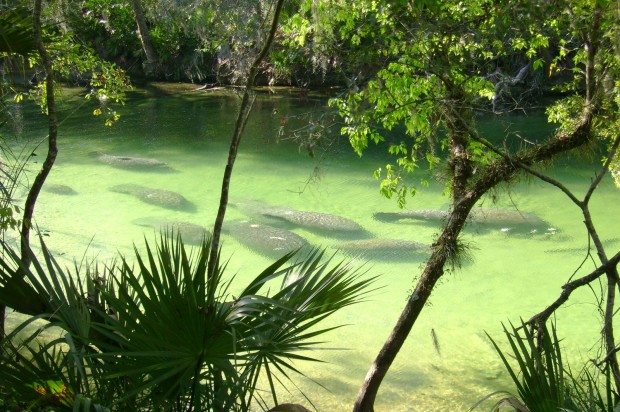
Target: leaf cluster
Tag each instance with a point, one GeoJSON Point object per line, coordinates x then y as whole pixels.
{"type": "Point", "coordinates": [74, 63]}
{"type": "Point", "coordinates": [425, 48]}
{"type": "Point", "coordinates": [106, 26]}
{"type": "Point", "coordinates": [486, 50]}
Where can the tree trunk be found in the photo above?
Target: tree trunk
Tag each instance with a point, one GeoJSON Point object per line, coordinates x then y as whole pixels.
{"type": "Point", "coordinates": [152, 61]}
{"type": "Point", "coordinates": [52, 150]}
{"type": "Point", "coordinates": [244, 112]}
{"type": "Point", "coordinates": [432, 273]}
{"type": "Point", "coordinates": [499, 171]}
{"type": "Point", "coordinates": [608, 327]}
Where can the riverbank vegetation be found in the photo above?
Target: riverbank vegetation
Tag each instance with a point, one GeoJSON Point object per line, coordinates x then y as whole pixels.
{"type": "Point", "coordinates": [412, 76]}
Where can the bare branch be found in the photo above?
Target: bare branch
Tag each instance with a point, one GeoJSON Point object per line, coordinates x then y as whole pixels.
{"type": "Point", "coordinates": [570, 287]}
{"type": "Point", "coordinates": [604, 170]}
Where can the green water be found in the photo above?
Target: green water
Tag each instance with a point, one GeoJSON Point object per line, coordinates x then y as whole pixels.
{"type": "Point", "coordinates": [510, 277]}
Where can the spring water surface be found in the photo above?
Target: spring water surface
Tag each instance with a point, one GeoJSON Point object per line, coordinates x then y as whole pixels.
{"type": "Point", "coordinates": [510, 277]}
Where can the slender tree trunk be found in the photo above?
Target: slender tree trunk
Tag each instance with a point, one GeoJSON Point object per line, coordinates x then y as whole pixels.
{"type": "Point", "coordinates": [244, 112]}
{"type": "Point", "coordinates": [612, 283]}
{"type": "Point", "coordinates": [608, 327]}
{"type": "Point", "coordinates": [152, 60]}
{"type": "Point", "coordinates": [52, 150]}
{"type": "Point", "coordinates": [416, 302]}
{"type": "Point", "coordinates": [499, 171]}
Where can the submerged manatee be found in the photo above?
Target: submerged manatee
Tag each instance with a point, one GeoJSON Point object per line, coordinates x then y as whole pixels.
{"type": "Point", "coordinates": [264, 239]}
{"type": "Point", "coordinates": [509, 221]}
{"type": "Point", "coordinates": [503, 217]}
{"type": "Point", "coordinates": [59, 189]}
{"type": "Point", "coordinates": [191, 233]}
{"type": "Point", "coordinates": [133, 163]}
{"type": "Point", "coordinates": [323, 223]}
{"type": "Point", "coordinates": [583, 249]}
{"type": "Point", "coordinates": [430, 215]}
{"type": "Point", "coordinates": [255, 208]}
{"type": "Point", "coordinates": [159, 197]}
{"type": "Point", "coordinates": [384, 249]}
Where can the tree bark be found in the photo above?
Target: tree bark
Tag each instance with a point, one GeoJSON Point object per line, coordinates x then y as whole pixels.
{"type": "Point", "coordinates": [244, 112]}
{"type": "Point", "coordinates": [152, 60]}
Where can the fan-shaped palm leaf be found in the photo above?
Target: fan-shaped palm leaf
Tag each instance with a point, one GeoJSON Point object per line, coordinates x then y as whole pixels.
{"type": "Point", "coordinates": [161, 334]}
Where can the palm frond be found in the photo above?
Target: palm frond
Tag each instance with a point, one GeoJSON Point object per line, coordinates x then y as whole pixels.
{"type": "Point", "coordinates": [543, 381]}
{"type": "Point", "coordinates": [44, 289]}
{"type": "Point", "coordinates": [16, 35]}
{"type": "Point", "coordinates": [159, 333]}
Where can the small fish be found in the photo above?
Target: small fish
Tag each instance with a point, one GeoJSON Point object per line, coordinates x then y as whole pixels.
{"type": "Point", "coordinates": [435, 342]}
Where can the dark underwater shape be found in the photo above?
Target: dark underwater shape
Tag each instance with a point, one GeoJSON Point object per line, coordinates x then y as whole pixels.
{"type": "Point", "coordinates": [267, 240]}
{"type": "Point", "coordinates": [509, 221]}
{"type": "Point", "coordinates": [322, 223]}
{"type": "Point", "coordinates": [59, 189]}
{"type": "Point", "coordinates": [579, 251]}
{"type": "Point", "coordinates": [191, 233]}
{"type": "Point", "coordinates": [133, 163]}
{"type": "Point", "coordinates": [384, 249]}
{"type": "Point", "coordinates": [158, 197]}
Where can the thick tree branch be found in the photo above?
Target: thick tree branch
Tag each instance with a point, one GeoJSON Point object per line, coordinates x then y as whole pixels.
{"type": "Point", "coordinates": [152, 61]}
{"type": "Point", "coordinates": [52, 135]}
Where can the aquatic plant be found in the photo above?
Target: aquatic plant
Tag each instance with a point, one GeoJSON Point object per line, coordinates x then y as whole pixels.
{"type": "Point", "coordinates": [160, 334]}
